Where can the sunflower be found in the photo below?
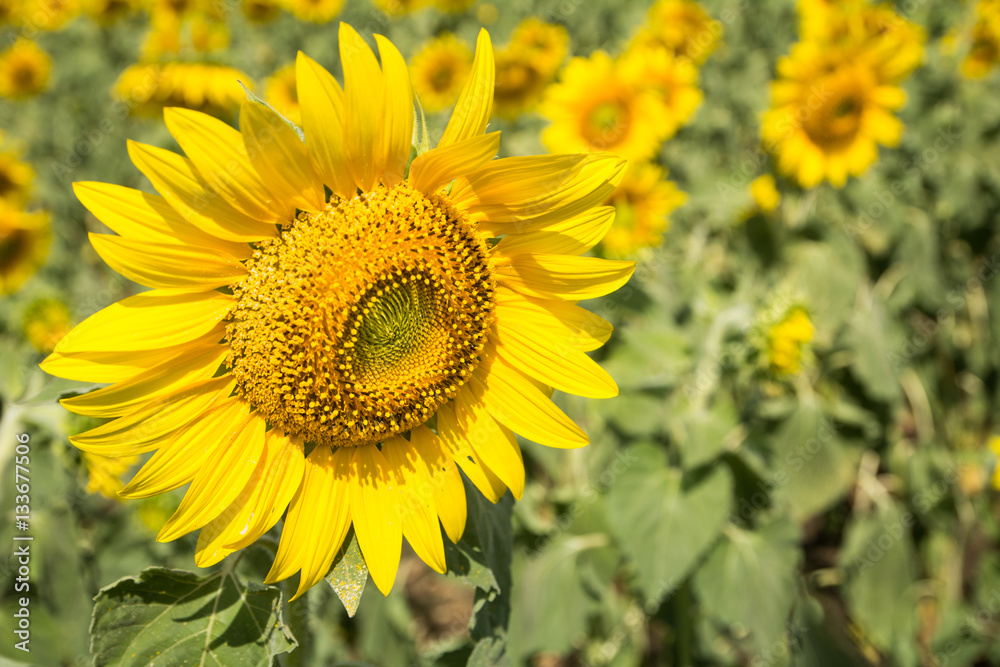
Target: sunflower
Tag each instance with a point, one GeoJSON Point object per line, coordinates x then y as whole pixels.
{"type": "Point", "coordinates": [260, 11]}
{"type": "Point", "coordinates": [46, 322]}
{"type": "Point", "coordinates": [599, 106]}
{"type": "Point", "coordinates": [765, 195]}
{"type": "Point", "coordinates": [786, 339]}
{"type": "Point", "coordinates": [342, 356]}
{"type": "Point", "coordinates": [104, 473]}
{"type": "Point", "coordinates": [315, 11]}
{"type": "Point", "coordinates": [642, 203]}
{"type": "Point", "coordinates": [829, 111]}
{"type": "Point", "coordinates": [520, 83]}
{"type": "Point", "coordinates": [545, 43]}
{"type": "Point", "coordinates": [24, 244]}
{"type": "Point", "coordinates": [24, 70]}
{"type": "Point", "coordinates": [400, 7]}
{"type": "Point", "coordinates": [674, 80]}
{"type": "Point", "coordinates": [282, 95]}
{"type": "Point", "coordinates": [984, 51]}
{"type": "Point", "coordinates": [48, 14]}
{"type": "Point", "coordinates": [682, 27]}
{"type": "Point", "coordinates": [453, 6]}
{"type": "Point", "coordinates": [439, 71]}
{"type": "Point", "coordinates": [875, 31]}
{"type": "Point", "coordinates": [214, 89]}
{"type": "Point", "coordinates": [16, 177]}
{"type": "Point", "coordinates": [107, 12]}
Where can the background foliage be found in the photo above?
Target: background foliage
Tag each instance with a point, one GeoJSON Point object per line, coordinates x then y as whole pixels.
{"type": "Point", "coordinates": [723, 514]}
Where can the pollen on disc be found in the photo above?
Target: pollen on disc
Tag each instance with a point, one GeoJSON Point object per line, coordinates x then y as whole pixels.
{"type": "Point", "coordinates": [359, 321]}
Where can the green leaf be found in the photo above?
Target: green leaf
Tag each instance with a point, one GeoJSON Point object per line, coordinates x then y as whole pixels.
{"type": "Point", "coordinates": [876, 360]}
{"type": "Point", "coordinates": [748, 582]}
{"type": "Point", "coordinates": [349, 574]}
{"type": "Point", "coordinates": [663, 526]}
{"type": "Point", "coordinates": [705, 431]}
{"type": "Point", "coordinates": [172, 617]}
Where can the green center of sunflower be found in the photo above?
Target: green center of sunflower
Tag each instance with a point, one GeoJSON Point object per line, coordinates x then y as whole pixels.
{"type": "Point", "coordinates": [361, 320]}
{"type": "Point", "coordinates": [606, 124]}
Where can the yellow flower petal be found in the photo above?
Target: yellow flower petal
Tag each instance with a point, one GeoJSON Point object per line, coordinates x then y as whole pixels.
{"type": "Point", "coordinates": [364, 99]}
{"type": "Point", "coordinates": [168, 265]}
{"type": "Point", "coordinates": [448, 489]}
{"type": "Point", "coordinates": [472, 112]}
{"type": "Point", "coordinates": [322, 104]}
{"type": "Point", "coordinates": [396, 132]}
{"type": "Point", "coordinates": [496, 445]}
{"type": "Point", "coordinates": [574, 236]}
{"type": "Point", "coordinates": [455, 439]}
{"type": "Point", "coordinates": [110, 366]}
{"type": "Point", "coordinates": [375, 511]}
{"type": "Point", "coordinates": [561, 276]}
{"type": "Point", "coordinates": [568, 323]}
{"type": "Point", "coordinates": [441, 165]}
{"type": "Point", "coordinates": [148, 321]}
{"type": "Point", "coordinates": [416, 509]}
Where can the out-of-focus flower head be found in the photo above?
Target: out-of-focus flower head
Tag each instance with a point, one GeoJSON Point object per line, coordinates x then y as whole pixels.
{"type": "Point", "coordinates": [104, 473]}
{"type": "Point", "coordinates": [765, 193]}
{"type": "Point", "coordinates": [674, 80]}
{"type": "Point", "coordinates": [47, 14]}
{"type": "Point", "coordinates": [439, 70]}
{"type": "Point", "coordinates": [24, 70]}
{"type": "Point", "coordinates": [519, 83]}
{"type": "Point", "coordinates": [315, 11]}
{"type": "Point", "coordinates": [984, 37]}
{"type": "Point", "coordinates": [786, 340]}
{"type": "Point", "coordinates": [260, 11]}
{"type": "Point", "coordinates": [178, 24]}
{"type": "Point", "coordinates": [682, 27]}
{"type": "Point", "coordinates": [894, 44]}
{"type": "Point", "coordinates": [642, 202]}
{"type": "Point", "coordinates": [16, 177]}
{"type": "Point", "coordinates": [453, 6]}
{"type": "Point", "coordinates": [148, 88]}
{"type": "Point", "coordinates": [107, 12]}
{"type": "Point", "coordinates": [400, 7]}
{"type": "Point", "coordinates": [600, 106]}
{"type": "Point", "coordinates": [46, 322]}
{"type": "Point", "coordinates": [829, 112]}
{"type": "Point", "coordinates": [24, 244]}
{"type": "Point", "coordinates": [994, 444]}
{"type": "Point", "coordinates": [545, 43]}
{"type": "Point", "coordinates": [280, 92]}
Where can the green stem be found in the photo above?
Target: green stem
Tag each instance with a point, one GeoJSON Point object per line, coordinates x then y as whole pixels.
{"type": "Point", "coordinates": [682, 626]}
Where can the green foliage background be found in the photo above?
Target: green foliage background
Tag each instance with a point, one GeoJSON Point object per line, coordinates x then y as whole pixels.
{"type": "Point", "coordinates": [721, 515]}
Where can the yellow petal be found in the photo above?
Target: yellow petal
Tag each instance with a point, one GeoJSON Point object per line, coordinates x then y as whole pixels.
{"type": "Point", "coordinates": [177, 462]}
{"type": "Point", "coordinates": [495, 445]}
{"type": "Point", "coordinates": [397, 127]}
{"type": "Point", "coordinates": [189, 194]}
{"type": "Point", "coordinates": [375, 511]}
{"type": "Point", "coordinates": [439, 166]}
{"type": "Point", "coordinates": [281, 159]}
{"type": "Point", "coordinates": [141, 216]}
{"type": "Point", "coordinates": [547, 359]}
{"type": "Point", "coordinates": [562, 276]}
{"type": "Point", "coordinates": [537, 190]}
{"type": "Point", "coordinates": [322, 103]}
{"type": "Point", "coordinates": [218, 154]}
{"type": "Point", "coordinates": [518, 404]}
{"type": "Point", "coordinates": [574, 236]}
{"type": "Point", "coordinates": [194, 364]}
{"type": "Point", "coordinates": [224, 476]}
{"type": "Point", "coordinates": [157, 422]}
{"type": "Point", "coordinates": [416, 509]}
{"type": "Point", "coordinates": [169, 265]}
{"type": "Point", "coordinates": [455, 439]}
{"type": "Point", "coordinates": [448, 489]}
{"type": "Point", "coordinates": [569, 323]}
{"type": "Point", "coordinates": [318, 517]}
{"type": "Point", "coordinates": [472, 112]}
{"type": "Point", "coordinates": [114, 366]}
{"type": "Point", "coordinates": [149, 321]}
{"type": "Point", "coordinates": [364, 98]}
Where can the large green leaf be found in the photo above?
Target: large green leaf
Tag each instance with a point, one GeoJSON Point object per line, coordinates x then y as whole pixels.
{"type": "Point", "coordinates": [748, 582]}
{"type": "Point", "coordinates": [171, 617]}
{"type": "Point", "coordinates": [663, 526]}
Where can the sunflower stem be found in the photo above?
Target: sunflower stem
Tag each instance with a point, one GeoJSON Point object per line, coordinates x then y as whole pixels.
{"type": "Point", "coordinates": [298, 623]}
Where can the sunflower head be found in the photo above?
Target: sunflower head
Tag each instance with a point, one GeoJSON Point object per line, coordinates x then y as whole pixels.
{"type": "Point", "coordinates": [24, 244]}
{"type": "Point", "coordinates": [984, 47]}
{"type": "Point", "coordinates": [46, 322]}
{"type": "Point", "coordinates": [440, 69]}
{"type": "Point", "coordinates": [107, 12]}
{"type": "Point", "coordinates": [16, 177]}
{"type": "Point", "coordinates": [643, 203]}
{"type": "Point", "coordinates": [314, 11]}
{"type": "Point", "coordinates": [260, 11]}
{"type": "Point", "coordinates": [24, 70]}
{"type": "Point", "coordinates": [786, 340]}
{"type": "Point", "coordinates": [545, 43]}
{"type": "Point", "coordinates": [683, 28]}
{"type": "Point", "coordinates": [342, 330]}
{"type": "Point", "coordinates": [149, 88]}
{"type": "Point", "coordinates": [280, 92]}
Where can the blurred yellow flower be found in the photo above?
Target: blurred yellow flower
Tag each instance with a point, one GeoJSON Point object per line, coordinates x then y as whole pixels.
{"type": "Point", "coordinates": [104, 473]}
{"type": "Point", "coordinates": [519, 83]}
{"type": "Point", "coordinates": [315, 11]}
{"type": "Point", "coordinates": [984, 51]}
{"type": "Point", "coordinates": [260, 11]}
{"type": "Point", "coordinates": [829, 111]}
{"type": "Point", "coordinates": [46, 322]}
{"type": "Point", "coordinates": [994, 444]}
{"type": "Point", "coordinates": [439, 71]}
{"type": "Point", "coordinates": [765, 193]}
{"type": "Point", "coordinates": [206, 87]}
{"type": "Point", "coordinates": [48, 14]}
{"type": "Point", "coordinates": [673, 79]}
{"type": "Point", "coordinates": [642, 202]}
{"type": "Point", "coordinates": [786, 339]}
{"type": "Point", "coordinates": [280, 92]}
{"type": "Point", "coordinates": [400, 7]}
{"type": "Point", "coordinates": [24, 70]}
{"type": "Point", "coordinates": [106, 12]}
{"type": "Point", "coordinates": [24, 244]}
{"type": "Point", "coordinates": [682, 27]}
{"type": "Point", "coordinates": [16, 177]}
{"type": "Point", "coordinates": [876, 32]}
{"type": "Point", "coordinates": [546, 44]}
{"type": "Point", "coordinates": [598, 107]}
{"type": "Point", "coordinates": [453, 6]}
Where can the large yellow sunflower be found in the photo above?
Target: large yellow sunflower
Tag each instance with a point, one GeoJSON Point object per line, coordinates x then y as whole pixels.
{"type": "Point", "coordinates": [600, 106]}
{"type": "Point", "coordinates": [829, 111]}
{"type": "Point", "coordinates": [342, 357]}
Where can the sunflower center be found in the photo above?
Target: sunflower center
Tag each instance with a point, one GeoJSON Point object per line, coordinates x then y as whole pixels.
{"type": "Point", "coordinates": [606, 124]}
{"type": "Point", "coordinates": [443, 76]}
{"type": "Point", "coordinates": [362, 319]}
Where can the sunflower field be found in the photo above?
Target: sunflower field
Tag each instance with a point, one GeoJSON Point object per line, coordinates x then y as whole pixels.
{"type": "Point", "coordinates": [527, 332]}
